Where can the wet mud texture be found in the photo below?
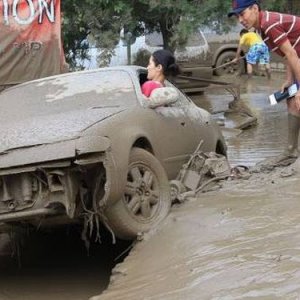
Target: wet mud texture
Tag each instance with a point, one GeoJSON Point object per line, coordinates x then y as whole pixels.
{"type": "Point", "coordinates": [268, 137]}
{"type": "Point", "coordinates": [56, 265]}
{"type": "Point", "coordinates": [238, 242]}
{"type": "Point", "coordinates": [241, 242]}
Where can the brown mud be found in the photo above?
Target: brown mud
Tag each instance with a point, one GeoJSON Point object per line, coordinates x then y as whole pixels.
{"type": "Point", "coordinates": [241, 241]}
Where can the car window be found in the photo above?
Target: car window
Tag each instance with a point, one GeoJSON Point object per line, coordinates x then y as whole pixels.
{"type": "Point", "coordinates": [75, 91]}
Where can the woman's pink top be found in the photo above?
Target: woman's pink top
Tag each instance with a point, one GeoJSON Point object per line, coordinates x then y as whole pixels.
{"type": "Point", "coordinates": [149, 86]}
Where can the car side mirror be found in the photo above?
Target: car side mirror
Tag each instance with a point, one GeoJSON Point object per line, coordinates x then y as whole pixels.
{"type": "Point", "coordinates": [162, 97]}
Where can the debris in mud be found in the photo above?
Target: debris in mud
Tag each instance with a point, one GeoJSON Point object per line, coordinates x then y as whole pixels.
{"type": "Point", "coordinates": [240, 114]}
{"type": "Point", "coordinates": [292, 169]}
{"type": "Point", "coordinates": [240, 120]}
{"type": "Point", "coordinates": [240, 172]}
{"type": "Point", "coordinates": [200, 171]}
{"type": "Point", "coordinates": [240, 106]}
{"type": "Point", "coordinates": [269, 164]}
{"type": "Point", "coordinates": [203, 171]}
{"type": "Point", "coordinates": [270, 170]}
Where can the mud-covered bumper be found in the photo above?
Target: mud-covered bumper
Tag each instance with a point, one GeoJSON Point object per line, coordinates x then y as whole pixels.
{"type": "Point", "coordinates": [46, 179]}
{"type": "Point", "coordinates": [52, 152]}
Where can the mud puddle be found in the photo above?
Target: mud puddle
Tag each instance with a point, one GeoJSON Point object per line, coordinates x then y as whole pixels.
{"type": "Point", "coordinates": [265, 140]}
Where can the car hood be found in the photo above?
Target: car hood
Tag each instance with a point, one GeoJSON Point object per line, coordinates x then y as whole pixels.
{"type": "Point", "coordinates": [51, 128]}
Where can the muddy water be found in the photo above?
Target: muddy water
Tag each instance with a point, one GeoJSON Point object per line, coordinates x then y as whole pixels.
{"type": "Point", "coordinates": [240, 242]}
{"type": "Point", "coordinates": [266, 139]}
{"type": "Point", "coordinates": [56, 265]}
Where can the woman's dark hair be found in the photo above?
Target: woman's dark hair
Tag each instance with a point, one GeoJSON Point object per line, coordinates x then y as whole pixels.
{"type": "Point", "coordinates": [166, 59]}
{"type": "Point", "coordinates": [243, 31]}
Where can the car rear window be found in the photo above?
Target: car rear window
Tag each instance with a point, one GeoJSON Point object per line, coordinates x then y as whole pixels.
{"type": "Point", "coordinates": [75, 91]}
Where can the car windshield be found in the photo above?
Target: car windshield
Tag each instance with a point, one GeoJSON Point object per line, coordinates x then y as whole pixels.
{"type": "Point", "coordinates": [75, 91]}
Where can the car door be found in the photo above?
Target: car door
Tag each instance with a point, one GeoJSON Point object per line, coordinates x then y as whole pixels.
{"type": "Point", "coordinates": [203, 126]}
{"type": "Point", "coordinates": [199, 121]}
{"type": "Point", "coordinates": [175, 135]}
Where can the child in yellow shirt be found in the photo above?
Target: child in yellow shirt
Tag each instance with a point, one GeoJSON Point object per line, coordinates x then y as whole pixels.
{"type": "Point", "coordinates": [258, 51]}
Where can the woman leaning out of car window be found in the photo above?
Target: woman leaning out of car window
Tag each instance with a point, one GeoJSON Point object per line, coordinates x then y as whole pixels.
{"type": "Point", "coordinates": [161, 65]}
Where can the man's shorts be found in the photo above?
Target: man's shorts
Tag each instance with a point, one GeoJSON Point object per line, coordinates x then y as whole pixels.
{"type": "Point", "coordinates": [258, 53]}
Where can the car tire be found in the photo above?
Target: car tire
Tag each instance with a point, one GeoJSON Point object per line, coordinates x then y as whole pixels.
{"type": "Point", "coordinates": [147, 198]}
{"type": "Point", "coordinates": [229, 69]}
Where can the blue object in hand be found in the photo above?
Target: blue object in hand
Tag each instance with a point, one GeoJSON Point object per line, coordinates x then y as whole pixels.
{"type": "Point", "coordinates": [287, 93]}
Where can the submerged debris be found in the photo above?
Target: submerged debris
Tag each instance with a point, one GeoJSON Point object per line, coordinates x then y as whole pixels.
{"type": "Point", "coordinates": [241, 114]}
{"type": "Point", "coordinates": [204, 169]}
{"type": "Point", "coordinates": [201, 169]}
{"type": "Point", "coordinates": [240, 172]}
{"type": "Point", "coordinates": [269, 164]}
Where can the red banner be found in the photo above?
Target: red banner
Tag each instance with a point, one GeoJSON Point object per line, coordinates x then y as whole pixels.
{"type": "Point", "coordinates": [30, 40]}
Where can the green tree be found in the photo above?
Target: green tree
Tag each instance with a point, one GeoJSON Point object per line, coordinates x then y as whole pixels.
{"type": "Point", "coordinates": [98, 22]}
{"type": "Point", "coordinates": [285, 6]}
{"type": "Point", "coordinates": [74, 31]}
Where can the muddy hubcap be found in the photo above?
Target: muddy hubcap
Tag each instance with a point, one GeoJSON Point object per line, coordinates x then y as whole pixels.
{"type": "Point", "coordinates": [230, 68]}
{"type": "Point", "coordinates": [141, 192]}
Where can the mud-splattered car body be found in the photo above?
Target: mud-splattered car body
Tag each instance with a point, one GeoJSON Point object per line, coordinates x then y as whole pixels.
{"type": "Point", "coordinates": [85, 147]}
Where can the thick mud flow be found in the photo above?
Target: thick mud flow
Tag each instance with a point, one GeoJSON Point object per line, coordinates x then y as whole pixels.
{"type": "Point", "coordinates": [239, 242]}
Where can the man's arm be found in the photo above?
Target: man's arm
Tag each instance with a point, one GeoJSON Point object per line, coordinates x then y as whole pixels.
{"type": "Point", "coordinates": [293, 67]}
{"type": "Point", "coordinates": [238, 53]}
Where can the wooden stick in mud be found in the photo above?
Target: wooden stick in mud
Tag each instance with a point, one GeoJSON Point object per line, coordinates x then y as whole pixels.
{"type": "Point", "coordinates": [228, 63]}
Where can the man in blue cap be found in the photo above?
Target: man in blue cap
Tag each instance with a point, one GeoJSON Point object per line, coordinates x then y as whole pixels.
{"type": "Point", "coordinates": [281, 34]}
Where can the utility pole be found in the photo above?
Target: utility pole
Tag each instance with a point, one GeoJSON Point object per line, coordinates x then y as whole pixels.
{"type": "Point", "coordinates": [128, 40]}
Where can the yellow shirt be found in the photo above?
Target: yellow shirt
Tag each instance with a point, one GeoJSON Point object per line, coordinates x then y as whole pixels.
{"type": "Point", "coordinates": [250, 38]}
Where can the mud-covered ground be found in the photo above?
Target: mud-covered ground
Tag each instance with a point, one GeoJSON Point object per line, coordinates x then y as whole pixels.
{"type": "Point", "coordinates": [237, 242]}
{"type": "Point", "coordinates": [241, 241]}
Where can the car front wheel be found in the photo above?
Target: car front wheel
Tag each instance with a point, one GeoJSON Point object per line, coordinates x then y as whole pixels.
{"type": "Point", "coordinates": [146, 200]}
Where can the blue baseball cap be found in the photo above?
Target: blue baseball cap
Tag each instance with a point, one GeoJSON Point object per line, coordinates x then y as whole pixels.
{"type": "Point", "coordinates": [239, 5]}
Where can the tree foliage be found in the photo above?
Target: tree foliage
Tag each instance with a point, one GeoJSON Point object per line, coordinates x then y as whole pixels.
{"type": "Point", "coordinates": [285, 6]}
{"type": "Point", "coordinates": [75, 30]}
{"type": "Point", "coordinates": [99, 22]}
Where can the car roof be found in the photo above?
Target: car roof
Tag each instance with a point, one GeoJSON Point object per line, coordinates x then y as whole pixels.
{"type": "Point", "coordinates": [128, 69]}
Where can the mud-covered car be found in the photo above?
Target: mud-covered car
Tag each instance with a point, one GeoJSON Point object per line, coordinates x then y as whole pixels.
{"type": "Point", "coordinates": [86, 147]}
